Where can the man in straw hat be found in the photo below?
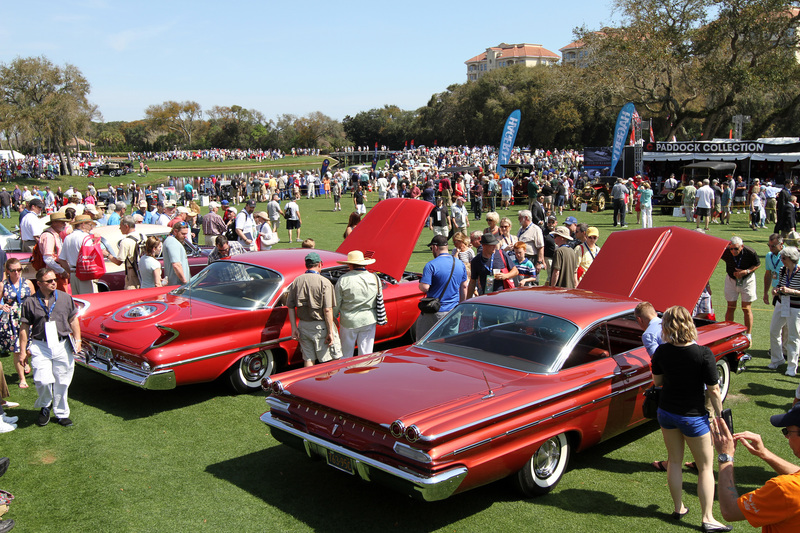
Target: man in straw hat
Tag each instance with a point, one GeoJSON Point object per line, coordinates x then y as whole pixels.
{"type": "Point", "coordinates": [356, 295]}
{"type": "Point", "coordinates": [50, 246]}
{"type": "Point", "coordinates": [310, 300]}
{"type": "Point", "coordinates": [564, 272]}
{"type": "Point", "coordinates": [82, 226]}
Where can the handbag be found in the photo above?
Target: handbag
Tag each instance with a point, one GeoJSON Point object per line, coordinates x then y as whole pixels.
{"type": "Point", "coordinates": [429, 305]}
{"type": "Point", "coordinates": [90, 264]}
{"type": "Point", "coordinates": [380, 307]}
{"type": "Point", "coordinates": [651, 400]}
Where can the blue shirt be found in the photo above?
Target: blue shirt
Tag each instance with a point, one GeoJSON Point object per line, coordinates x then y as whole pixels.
{"type": "Point", "coordinates": [505, 186]}
{"type": "Point", "coordinates": [651, 338]}
{"type": "Point", "coordinates": [645, 200]}
{"type": "Point", "coordinates": [436, 273]}
{"type": "Point", "coordinates": [113, 219]}
{"type": "Point", "coordinates": [774, 265]}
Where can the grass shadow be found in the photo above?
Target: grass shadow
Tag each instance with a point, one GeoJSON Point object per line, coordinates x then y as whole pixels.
{"type": "Point", "coordinates": [295, 485]}
{"type": "Point", "coordinates": [130, 403]}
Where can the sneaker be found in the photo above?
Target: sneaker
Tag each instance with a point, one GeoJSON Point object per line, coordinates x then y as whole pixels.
{"type": "Point", "coordinates": [774, 366]}
{"type": "Point", "coordinates": [44, 417]}
{"type": "Point", "coordinates": [66, 422]}
{"type": "Point", "coordinates": [5, 427]}
{"type": "Point", "coordinates": [10, 419]}
{"type": "Point", "coordinates": [10, 405]}
{"type": "Point", "coordinates": [299, 240]}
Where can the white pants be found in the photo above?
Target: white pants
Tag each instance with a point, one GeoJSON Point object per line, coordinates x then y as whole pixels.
{"type": "Point", "coordinates": [363, 336]}
{"type": "Point", "coordinates": [361, 209]}
{"type": "Point", "coordinates": [647, 217]}
{"type": "Point", "coordinates": [52, 374]}
{"type": "Point", "coordinates": [791, 341]}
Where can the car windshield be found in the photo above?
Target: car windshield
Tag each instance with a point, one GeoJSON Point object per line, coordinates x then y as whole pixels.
{"type": "Point", "coordinates": [231, 284]}
{"type": "Point", "coordinates": [513, 338]}
{"type": "Point", "coordinates": [4, 231]}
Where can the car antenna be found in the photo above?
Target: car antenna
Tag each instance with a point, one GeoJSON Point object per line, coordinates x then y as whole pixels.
{"type": "Point", "coordinates": [491, 392]}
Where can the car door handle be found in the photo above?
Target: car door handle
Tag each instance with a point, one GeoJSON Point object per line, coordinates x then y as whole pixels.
{"type": "Point", "coordinates": [626, 374]}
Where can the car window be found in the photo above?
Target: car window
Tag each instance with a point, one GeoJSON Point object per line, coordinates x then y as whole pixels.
{"type": "Point", "coordinates": [233, 284]}
{"type": "Point", "coordinates": [624, 334]}
{"type": "Point", "coordinates": [513, 338]}
{"type": "Point", "coordinates": [592, 346]}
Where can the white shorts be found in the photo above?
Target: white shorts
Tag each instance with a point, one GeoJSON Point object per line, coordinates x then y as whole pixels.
{"type": "Point", "coordinates": [747, 289]}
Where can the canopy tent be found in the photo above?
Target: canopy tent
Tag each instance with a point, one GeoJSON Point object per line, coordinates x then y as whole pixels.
{"type": "Point", "coordinates": [10, 154]}
{"type": "Point", "coordinates": [713, 165]}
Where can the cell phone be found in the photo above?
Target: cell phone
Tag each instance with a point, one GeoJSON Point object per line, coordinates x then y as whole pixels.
{"type": "Point", "coordinates": [727, 416]}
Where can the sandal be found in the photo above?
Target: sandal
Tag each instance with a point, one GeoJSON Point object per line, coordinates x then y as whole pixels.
{"type": "Point", "coordinates": [27, 368]}
{"type": "Point", "coordinates": [691, 466]}
{"type": "Point", "coordinates": [661, 466]}
{"type": "Point", "coordinates": [23, 385]}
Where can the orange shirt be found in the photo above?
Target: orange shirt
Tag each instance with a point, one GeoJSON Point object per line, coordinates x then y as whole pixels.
{"type": "Point", "coordinates": [775, 507]}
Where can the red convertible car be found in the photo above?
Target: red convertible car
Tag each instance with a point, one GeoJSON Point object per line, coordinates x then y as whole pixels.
{"type": "Point", "coordinates": [507, 384]}
{"type": "Point", "coordinates": [231, 318]}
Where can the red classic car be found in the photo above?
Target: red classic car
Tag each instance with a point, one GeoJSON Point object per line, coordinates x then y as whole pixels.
{"type": "Point", "coordinates": [507, 384]}
{"type": "Point", "coordinates": [231, 318]}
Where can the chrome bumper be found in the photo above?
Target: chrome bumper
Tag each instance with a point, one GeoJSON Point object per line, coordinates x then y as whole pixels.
{"type": "Point", "coordinates": [132, 375]}
{"type": "Point", "coordinates": [427, 488]}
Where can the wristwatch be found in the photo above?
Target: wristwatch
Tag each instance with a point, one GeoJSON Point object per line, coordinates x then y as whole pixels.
{"type": "Point", "coordinates": [725, 458]}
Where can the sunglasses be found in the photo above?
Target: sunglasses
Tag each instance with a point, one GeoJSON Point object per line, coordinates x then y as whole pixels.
{"type": "Point", "coordinates": [15, 270]}
{"type": "Point", "coordinates": [786, 432]}
{"type": "Point", "coordinates": [48, 280]}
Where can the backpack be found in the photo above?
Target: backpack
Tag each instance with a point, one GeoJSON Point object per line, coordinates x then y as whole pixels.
{"type": "Point", "coordinates": [287, 213]}
{"type": "Point", "coordinates": [230, 231]}
{"type": "Point", "coordinates": [37, 259]}
{"type": "Point", "coordinates": [90, 264]}
{"type": "Point", "coordinates": [133, 263]}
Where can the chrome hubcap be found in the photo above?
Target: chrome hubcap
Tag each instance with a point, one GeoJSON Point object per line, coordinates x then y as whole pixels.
{"type": "Point", "coordinates": [546, 459]}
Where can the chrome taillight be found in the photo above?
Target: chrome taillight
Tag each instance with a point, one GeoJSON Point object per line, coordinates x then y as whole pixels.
{"type": "Point", "coordinates": [397, 428]}
{"type": "Point", "coordinates": [412, 433]}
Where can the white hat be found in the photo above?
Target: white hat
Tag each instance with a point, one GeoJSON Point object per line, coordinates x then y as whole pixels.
{"type": "Point", "coordinates": [356, 257]}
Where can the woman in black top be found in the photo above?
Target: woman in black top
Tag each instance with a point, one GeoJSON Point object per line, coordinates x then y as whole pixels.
{"type": "Point", "coordinates": [683, 369]}
{"type": "Point", "coordinates": [787, 311]}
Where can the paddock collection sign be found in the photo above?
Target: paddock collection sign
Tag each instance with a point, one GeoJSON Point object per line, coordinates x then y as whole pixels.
{"type": "Point", "coordinates": [710, 147]}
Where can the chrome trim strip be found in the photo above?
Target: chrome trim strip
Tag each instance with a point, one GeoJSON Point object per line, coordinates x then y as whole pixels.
{"type": "Point", "coordinates": [428, 438]}
{"type": "Point", "coordinates": [273, 342]}
{"type": "Point", "coordinates": [162, 380]}
{"type": "Point", "coordinates": [427, 487]}
{"type": "Point", "coordinates": [175, 334]}
{"type": "Point", "coordinates": [164, 309]}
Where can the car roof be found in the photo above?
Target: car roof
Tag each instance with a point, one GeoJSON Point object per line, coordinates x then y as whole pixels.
{"type": "Point", "coordinates": [579, 306]}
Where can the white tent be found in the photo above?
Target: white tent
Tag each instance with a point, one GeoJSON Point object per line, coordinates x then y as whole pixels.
{"type": "Point", "coordinates": [10, 155]}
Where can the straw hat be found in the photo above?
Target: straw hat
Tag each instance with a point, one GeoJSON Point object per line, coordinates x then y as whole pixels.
{"type": "Point", "coordinates": [58, 216]}
{"type": "Point", "coordinates": [562, 231]}
{"type": "Point", "coordinates": [356, 257]}
{"type": "Point", "coordinates": [81, 219]}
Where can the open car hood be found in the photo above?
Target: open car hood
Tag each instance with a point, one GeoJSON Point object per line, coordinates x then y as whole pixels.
{"type": "Point", "coordinates": [389, 233]}
{"type": "Point", "coordinates": [664, 266]}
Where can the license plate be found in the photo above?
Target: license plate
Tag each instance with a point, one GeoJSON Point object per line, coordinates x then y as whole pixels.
{"type": "Point", "coordinates": [340, 462]}
{"type": "Point", "coordinates": [104, 354]}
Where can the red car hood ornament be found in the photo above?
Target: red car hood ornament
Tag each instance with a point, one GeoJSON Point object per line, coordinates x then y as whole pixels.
{"type": "Point", "coordinates": [664, 266]}
{"type": "Point", "coordinates": [388, 234]}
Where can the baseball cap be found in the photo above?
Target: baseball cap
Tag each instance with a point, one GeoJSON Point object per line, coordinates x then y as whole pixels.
{"type": "Point", "coordinates": [571, 220]}
{"type": "Point", "coordinates": [791, 418]}
{"type": "Point", "coordinates": [225, 202]}
{"type": "Point", "coordinates": [438, 240]}
{"type": "Point", "coordinates": [251, 203]}
{"type": "Point", "coordinates": [212, 205]}
{"type": "Point", "coordinates": [313, 257]}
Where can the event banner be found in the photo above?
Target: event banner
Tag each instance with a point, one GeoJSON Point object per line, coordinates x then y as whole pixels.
{"type": "Point", "coordinates": [507, 141]}
{"type": "Point", "coordinates": [325, 164]}
{"type": "Point", "coordinates": [725, 147]}
{"type": "Point", "coordinates": [620, 133]}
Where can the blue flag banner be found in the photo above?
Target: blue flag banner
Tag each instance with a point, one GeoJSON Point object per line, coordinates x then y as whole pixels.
{"type": "Point", "coordinates": [325, 164]}
{"type": "Point", "coordinates": [392, 159]}
{"type": "Point", "coordinates": [507, 141]}
{"type": "Point", "coordinates": [621, 133]}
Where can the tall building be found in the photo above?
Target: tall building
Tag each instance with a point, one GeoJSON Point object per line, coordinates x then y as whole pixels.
{"type": "Point", "coordinates": [505, 55]}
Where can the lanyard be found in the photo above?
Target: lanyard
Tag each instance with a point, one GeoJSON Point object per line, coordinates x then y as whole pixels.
{"type": "Point", "coordinates": [41, 302]}
{"type": "Point", "coordinates": [491, 263]}
{"type": "Point", "coordinates": [311, 272]}
{"type": "Point", "coordinates": [738, 259]}
{"type": "Point", "coordinates": [19, 290]}
{"type": "Point", "coordinates": [789, 277]}
{"type": "Point", "coordinates": [776, 260]}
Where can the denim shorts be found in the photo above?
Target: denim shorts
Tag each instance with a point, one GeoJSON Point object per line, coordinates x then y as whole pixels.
{"type": "Point", "coordinates": [690, 426]}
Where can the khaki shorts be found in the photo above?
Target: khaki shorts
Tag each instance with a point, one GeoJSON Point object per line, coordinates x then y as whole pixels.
{"type": "Point", "coordinates": [747, 289]}
{"type": "Point", "coordinates": [312, 342]}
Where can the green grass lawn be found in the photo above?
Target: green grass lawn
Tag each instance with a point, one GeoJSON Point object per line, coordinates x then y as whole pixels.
{"type": "Point", "coordinates": [198, 459]}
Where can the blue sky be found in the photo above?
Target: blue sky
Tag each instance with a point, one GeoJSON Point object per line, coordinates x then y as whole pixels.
{"type": "Point", "coordinates": [279, 56]}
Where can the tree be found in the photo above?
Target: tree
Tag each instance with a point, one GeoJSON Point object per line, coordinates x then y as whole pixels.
{"type": "Point", "coordinates": [45, 102]}
{"type": "Point", "coordinates": [179, 117]}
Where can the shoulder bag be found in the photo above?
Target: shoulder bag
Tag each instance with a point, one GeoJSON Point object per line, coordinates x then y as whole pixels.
{"type": "Point", "coordinates": [380, 306]}
{"type": "Point", "coordinates": [651, 399]}
{"type": "Point", "coordinates": [429, 305]}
